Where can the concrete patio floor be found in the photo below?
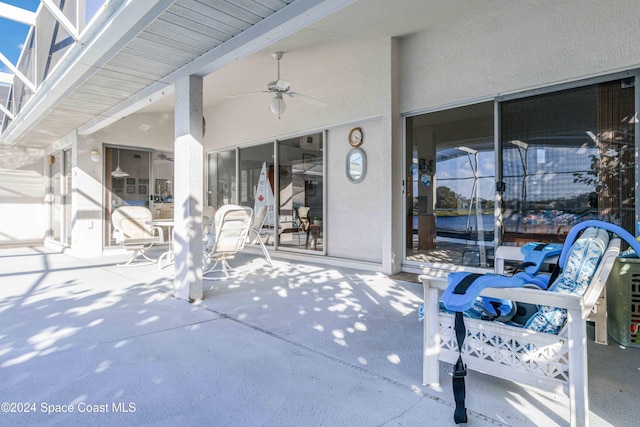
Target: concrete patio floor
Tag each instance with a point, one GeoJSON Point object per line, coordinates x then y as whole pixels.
{"type": "Point", "coordinates": [296, 344]}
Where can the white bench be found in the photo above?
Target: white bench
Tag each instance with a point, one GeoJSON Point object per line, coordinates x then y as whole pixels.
{"type": "Point", "coordinates": [554, 363]}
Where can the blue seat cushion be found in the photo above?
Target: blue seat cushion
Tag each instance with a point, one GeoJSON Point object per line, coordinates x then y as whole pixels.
{"type": "Point", "coordinates": [582, 262]}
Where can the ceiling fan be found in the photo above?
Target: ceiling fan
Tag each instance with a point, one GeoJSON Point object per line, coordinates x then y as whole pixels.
{"type": "Point", "coordinates": [163, 156]}
{"type": "Point", "coordinates": [280, 87]}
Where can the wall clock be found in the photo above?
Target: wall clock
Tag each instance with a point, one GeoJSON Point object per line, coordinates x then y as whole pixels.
{"type": "Point", "coordinates": [355, 137]}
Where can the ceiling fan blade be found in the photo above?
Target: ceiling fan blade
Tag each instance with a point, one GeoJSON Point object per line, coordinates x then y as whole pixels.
{"type": "Point", "coordinates": [163, 156]}
{"type": "Point", "coordinates": [308, 99]}
{"type": "Point", "coordinates": [246, 94]}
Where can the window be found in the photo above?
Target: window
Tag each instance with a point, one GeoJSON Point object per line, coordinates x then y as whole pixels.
{"type": "Point", "coordinates": [568, 156]}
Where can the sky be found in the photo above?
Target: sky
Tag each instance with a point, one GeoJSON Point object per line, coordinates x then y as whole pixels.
{"type": "Point", "coordinates": [13, 34]}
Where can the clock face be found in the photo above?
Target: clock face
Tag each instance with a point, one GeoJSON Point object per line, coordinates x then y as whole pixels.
{"type": "Point", "coordinates": [355, 137]}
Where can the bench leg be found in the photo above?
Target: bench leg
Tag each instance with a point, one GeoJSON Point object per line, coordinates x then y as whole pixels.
{"type": "Point", "coordinates": [599, 316]}
{"type": "Point", "coordinates": [578, 370]}
{"type": "Point", "coordinates": [431, 338]}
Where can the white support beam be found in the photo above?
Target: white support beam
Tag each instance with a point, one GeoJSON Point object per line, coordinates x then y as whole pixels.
{"type": "Point", "coordinates": [17, 72]}
{"type": "Point", "coordinates": [17, 14]}
{"type": "Point", "coordinates": [6, 112]}
{"type": "Point", "coordinates": [57, 13]}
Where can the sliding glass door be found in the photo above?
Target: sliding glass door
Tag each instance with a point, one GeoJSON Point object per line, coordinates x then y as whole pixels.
{"type": "Point", "coordinates": [450, 170]}
{"type": "Point", "coordinates": [221, 178]}
{"type": "Point", "coordinates": [256, 176]}
{"type": "Point", "coordinates": [568, 156]}
{"type": "Point", "coordinates": [300, 187]}
{"type": "Point", "coordinates": [251, 176]}
{"type": "Point", "coordinates": [560, 157]}
{"type": "Point", "coordinates": [60, 197]}
{"type": "Point", "coordinates": [127, 182]}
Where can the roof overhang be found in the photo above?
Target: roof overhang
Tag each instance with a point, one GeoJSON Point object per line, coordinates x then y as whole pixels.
{"type": "Point", "coordinates": [134, 52]}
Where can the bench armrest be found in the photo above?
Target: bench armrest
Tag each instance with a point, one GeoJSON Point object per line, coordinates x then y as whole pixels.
{"type": "Point", "coordinates": [525, 295]}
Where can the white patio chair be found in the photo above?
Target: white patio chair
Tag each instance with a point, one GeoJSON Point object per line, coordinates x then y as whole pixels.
{"type": "Point", "coordinates": [305, 223]}
{"type": "Point", "coordinates": [555, 363]}
{"type": "Point", "coordinates": [208, 219]}
{"type": "Point", "coordinates": [254, 231]}
{"type": "Point", "coordinates": [131, 231]}
{"type": "Point", "coordinates": [231, 228]}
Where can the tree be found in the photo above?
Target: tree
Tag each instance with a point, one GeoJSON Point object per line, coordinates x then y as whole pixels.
{"type": "Point", "coordinates": [446, 198]}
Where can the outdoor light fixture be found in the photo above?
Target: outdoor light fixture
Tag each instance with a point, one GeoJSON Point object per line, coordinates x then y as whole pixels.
{"type": "Point", "coordinates": [119, 173]}
{"type": "Point", "coordinates": [95, 156]}
{"type": "Point", "coordinates": [277, 105]}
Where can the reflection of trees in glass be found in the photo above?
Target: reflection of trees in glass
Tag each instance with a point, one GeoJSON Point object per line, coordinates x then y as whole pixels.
{"type": "Point", "coordinates": [610, 171]}
{"type": "Point", "coordinates": [607, 165]}
{"type": "Point", "coordinates": [446, 198]}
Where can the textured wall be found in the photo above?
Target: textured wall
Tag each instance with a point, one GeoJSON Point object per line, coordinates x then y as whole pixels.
{"type": "Point", "coordinates": [356, 87]}
{"type": "Point", "coordinates": [516, 45]}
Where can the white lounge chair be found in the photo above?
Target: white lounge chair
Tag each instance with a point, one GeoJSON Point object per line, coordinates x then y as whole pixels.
{"type": "Point", "coordinates": [131, 231]}
{"type": "Point", "coordinates": [254, 231]}
{"type": "Point", "coordinates": [552, 362]}
{"type": "Point", "coordinates": [231, 228]}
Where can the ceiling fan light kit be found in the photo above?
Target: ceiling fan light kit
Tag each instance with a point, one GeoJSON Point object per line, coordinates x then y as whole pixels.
{"type": "Point", "coordinates": [277, 105]}
{"type": "Point", "coordinates": [119, 173]}
{"type": "Point", "coordinates": [280, 87]}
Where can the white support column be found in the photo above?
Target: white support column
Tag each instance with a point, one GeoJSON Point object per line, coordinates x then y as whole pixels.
{"type": "Point", "coordinates": [392, 251]}
{"type": "Point", "coordinates": [188, 189]}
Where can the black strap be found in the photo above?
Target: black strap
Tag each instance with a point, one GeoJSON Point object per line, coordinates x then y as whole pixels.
{"type": "Point", "coordinates": [540, 247]}
{"type": "Point", "coordinates": [459, 371]}
{"type": "Point", "coordinates": [463, 285]}
{"type": "Point", "coordinates": [555, 273]}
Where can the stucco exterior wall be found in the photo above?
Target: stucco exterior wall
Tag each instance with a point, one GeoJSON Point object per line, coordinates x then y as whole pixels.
{"type": "Point", "coordinates": [352, 84]}
{"type": "Point", "coordinates": [139, 130]}
{"type": "Point", "coordinates": [22, 196]}
{"type": "Point", "coordinates": [355, 85]}
{"type": "Point", "coordinates": [517, 45]}
{"type": "Point", "coordinates": [355, 217]}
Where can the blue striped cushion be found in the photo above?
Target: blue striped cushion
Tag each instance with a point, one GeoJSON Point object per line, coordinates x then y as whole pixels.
{"type": "Point", "coordinates": [582, 262]}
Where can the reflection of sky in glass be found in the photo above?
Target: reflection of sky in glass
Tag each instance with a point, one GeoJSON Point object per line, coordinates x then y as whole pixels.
{"type": "Point", "coordinates": [457, 174]}
{"type": "Point", "coordinates": [550, 175]}
{"type": "Point", "coordinates": [551, 171]}
{"type": "Point", "coordinates": [355, 165]}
